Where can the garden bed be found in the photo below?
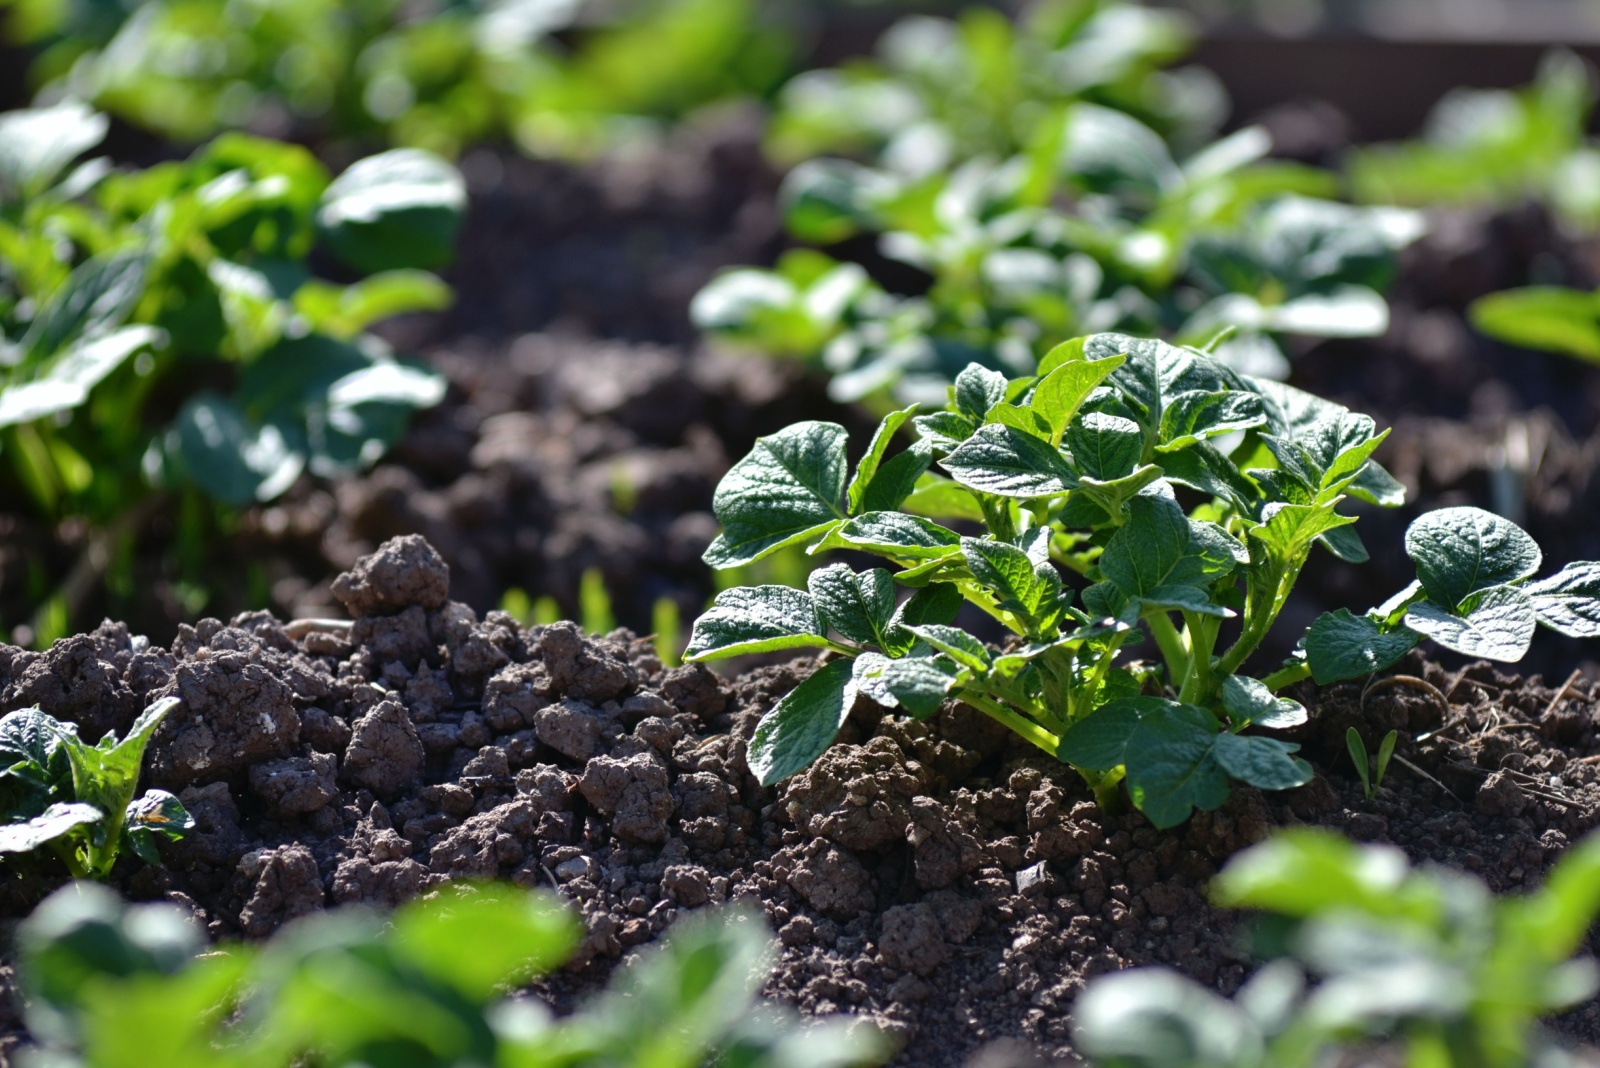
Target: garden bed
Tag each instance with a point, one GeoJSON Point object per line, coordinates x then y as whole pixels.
{"type": "Point", "coordinates": [941, 879]}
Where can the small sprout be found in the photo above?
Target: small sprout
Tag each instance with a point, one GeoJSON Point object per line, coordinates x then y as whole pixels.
{"type": "Point", "coordinates": [1371, 778]}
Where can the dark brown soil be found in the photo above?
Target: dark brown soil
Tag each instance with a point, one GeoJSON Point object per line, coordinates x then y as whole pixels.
{"type": "Point", "coordinates": [941, 878]}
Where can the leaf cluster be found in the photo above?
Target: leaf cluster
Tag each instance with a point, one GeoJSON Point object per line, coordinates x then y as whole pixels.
{"type": "Point", "coordinates": [1075, 470]}
{"type": "Point", "coordinates": [1369, 953]}
{"type": "Point", "coordinates": [112, 985]}
{"type": "Point", "coordinates": [60, 793]}
{"type": "Point", "coordinates": [1093, 222]}
{"type": "Point", "coordinates": [165, 326]}
{"type": "Point", "coordinates": [442, 75]}
{"type": "Point", "coordinates": [1497, 147]}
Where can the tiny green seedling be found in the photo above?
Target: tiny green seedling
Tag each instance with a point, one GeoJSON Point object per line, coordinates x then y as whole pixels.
{"type": "Point", "coordinates": [1371, 777]}
{"type": "Point", "coordinates": [78, 799]}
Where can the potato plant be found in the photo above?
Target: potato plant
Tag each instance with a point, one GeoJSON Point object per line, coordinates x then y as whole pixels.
{"type": "Point", "coordinates": [76, 799]}
{"type": "Point", "coordinates": [1092, 222]}
{"type": "Point", "coordinates": [1426, 966]}
{"type": "Point", "coordinates": [111, 984]}
{"type": "Point", "coordinates": [1074, 475]}
{"type": "Point", "coordinates": [163, 328]}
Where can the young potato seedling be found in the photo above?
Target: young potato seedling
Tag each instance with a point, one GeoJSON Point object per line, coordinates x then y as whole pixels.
{"type": "Point", "coordinates": [1371, 775]}
{"type": "Point", "coordinates": [1375, 963]}
{"type": "Point", "coordinates": [57, 791]}
{"type": "Point", "coordinates": [1076, 472]}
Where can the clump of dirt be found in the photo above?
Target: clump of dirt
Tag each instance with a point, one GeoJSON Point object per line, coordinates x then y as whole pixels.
{"type": "Point", "coordinates": [940, 878]}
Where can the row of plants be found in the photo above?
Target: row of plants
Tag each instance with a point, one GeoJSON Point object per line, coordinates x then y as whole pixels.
{"type": "Point", "coordinates": [1365, 955]}
{"type": "Point", "coordinates": [562, 78]}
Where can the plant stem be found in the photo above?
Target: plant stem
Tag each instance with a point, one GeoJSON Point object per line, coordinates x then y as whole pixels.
{"type": "Point", "coordinates": [1171, 643]}
{"type": "Point", "coordinates": [1021, 724]}
{"type": "Point", "coordinates": [1287, 676]}
{"type": "Point", "coordinates": [1199, 680]}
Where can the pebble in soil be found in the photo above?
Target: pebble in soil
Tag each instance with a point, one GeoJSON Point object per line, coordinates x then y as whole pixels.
{"type": "Point", "coordinates": [941, 879]}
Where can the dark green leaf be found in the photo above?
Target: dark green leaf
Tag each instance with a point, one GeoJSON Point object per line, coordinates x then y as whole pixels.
{"type": "Point", "coordinates": [1459, 551]}
{"type": "Point", "coordinates": [918, 684]}
{"type": "Point", "coordinates": [221, 452]}
{"type": "Point", "coordinates": [1265, 763]}
{"type": "Point", "coordinates": [977, 390]}
{"type": "Point", "coordinates": [1099, 741]}
{"type": "Point", "coordinates": [1248, 700]}
{"type": "Point", "coordinates": [1105, 447]}
{"type": "Point", "coordinates": [1003, 460]}
{"type": "Point", "coordinates": [802, 724]}
{"type": "Point", "coordinates": [756, 619]}
{"type": "Point", "coordinates": [896, 479]}
{"type": "Point", "coordinates": [1172, 765]}
{"type": "Point", "coordinates": [1344, 646]}
{"type": "Point", "coordinates": [1496, 624]}
{"type": "Point", "coordinates": [857, 605]}
{"type": "Point", "coordinates": [400, 208]}
{"type": "Point", "coordinates": [945, 431]}
{"type": "Point", "coordinates": [1196, 415]}
{"type": "Point", "coordinates": [1029, 590]}
{"type": "Point", "coordinates": [895, 534]}
{"type": "Point", "coordinates": [957, 644]}
{"type": "Point", "coordinates": [1344, 543]}
{"type": "Point", "coordinates": [1568, 601]}
{"type": "Point", "coordinates": [54, 822]}
{"type": "Point", "coordinates": [790, 487]}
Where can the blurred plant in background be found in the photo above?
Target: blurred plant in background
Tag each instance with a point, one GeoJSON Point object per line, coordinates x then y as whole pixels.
{"type": "Point", "coordinates": [112, 985]}
{"type": "Point", "coordinates": [441, 75]}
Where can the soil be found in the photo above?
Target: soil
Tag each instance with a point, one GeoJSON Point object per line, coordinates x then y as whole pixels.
{"type": "Point", "coordinates": [941, 878]}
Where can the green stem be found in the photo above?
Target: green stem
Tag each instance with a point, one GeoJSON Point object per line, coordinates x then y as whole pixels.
{"type": "Point", "coordinates": [1199, 682]}
{"type": "Point", "coordinates": [67, 851]}
{"type": "Point", "coordinates": [1171, 644]}
{"type": "Point", "coordinates": [1021, 724]}
{"type": "Point", "coordinates": [1287, 676]}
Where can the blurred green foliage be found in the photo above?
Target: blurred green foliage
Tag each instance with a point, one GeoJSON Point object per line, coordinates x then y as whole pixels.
{"type": "Point", "coordinates": [113, 986]}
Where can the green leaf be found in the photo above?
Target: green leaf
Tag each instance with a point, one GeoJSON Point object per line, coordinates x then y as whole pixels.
{"type": "Point", "coordinates": [156, 815]}
{"type": "Point", "coordinates": [978, 389]}
{"type": "Point", "coordinates": [945, 431]}
{"type": "Point", "coordinates": [1172, 764]}
{"type": "Point", "coordinates": [1357, 748]}
{"type": "Point", "coordinates": [1345, 543]}
{"type": "Point", "coordinates": [1099, 741]}
{"type": "Point", "coordinates": [1029, 590]}
{"type": "Point", "coordinates": [1569, 600]}
{"type": "Point", "coordinates": [29, 735]}
{"type": "Point", "coordinates": [1105, 447]}
{"type": "Point", "coordinates": [857, 605]}
{"type": "Point", "coordinates": [1265, 763]}
{"type": "Point", "coordinates": [1497, 624]}
{"type": "Point", "coordinates": [400, 208]}
{"type": "Point", "coordinates": [802, 724]}
{"type": "Point", "coordinates": [1553, 921]}
{"type": "Point", "coordinates": [1344, 646]}
{"type": "Point", "coordinates": [1290, 529]}
{"type": "Point", "coordinates": [36, 144]}
{"type": "Point", "coordinates": [479, 939]}
{"type": "Point", "coordinates": [895, 534]}
{"type": "Point", "coordinates": [1300, 872]}
{"type": "Point", "coordinates": [867, 469]}
{"type": "Point", "coordinates": [344, 312]}
{"type": "Point", "coordinates": [1459, 551]}
{"type": "Point", "coordinates": [1003, 460]}
{"type": "Point", "coordinates": [789, 488]}
{"type": "Point", "coordinates": [957, 644]}
{"type": "Point", "coordinates": [46, 827]}
{"type": "Point", "coordinates": [1196, 415]}
{"type": "Point", "coordinates": [1163, 560]}
{"type": "Point", "coordinates": [896, 479]}
{"type": "Point", "coordinates": [918, 684]}
{"type": "Point", "coordinates": [96, 299]}
{"type": "Point", "coordinates": [1548, 318]}
{"type": "Point", "coordinates": [1248, 700]}
{"type": "Point", "coordinates": [222, 453]}
{"type": "Point", "coordinates": [756, 619]}
{"type": "Point", "coordinates": [1062, 390]}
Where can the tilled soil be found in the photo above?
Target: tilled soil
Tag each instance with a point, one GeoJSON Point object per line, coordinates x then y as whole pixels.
{"type": "Point", "coordinates": [941, 879]}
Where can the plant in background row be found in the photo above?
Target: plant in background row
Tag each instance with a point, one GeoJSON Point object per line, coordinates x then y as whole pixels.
{"type": "Point", "coordinates": [163, 327]}
{"type": "Point", "coordinates": [1076, 472]}
{"type": "Point", "coordinates": [1424, 968]}
{"type": "Point", "coordinates": [1090, 222]}
{"type": "Point", "coordinates": [113, 986]}
{"type": "Point", "coordinates": [440, 74]}
{"type": "Point", "coordinates": [1497, 147]}
{"type": "Point", "coordinates": [1551, 318]}
{"type": "Point", "coordinates": [76, 799]}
